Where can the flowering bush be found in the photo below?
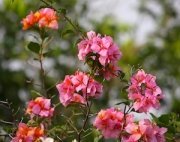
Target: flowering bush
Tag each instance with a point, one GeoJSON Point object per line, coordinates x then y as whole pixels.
{"type": "Point", "coordinates": [101, 54]}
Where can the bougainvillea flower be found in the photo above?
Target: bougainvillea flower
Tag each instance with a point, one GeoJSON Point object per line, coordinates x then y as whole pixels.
{"type": "Point", "coordinates": [78, 88]}
{"type": "Point", "coordinates": [145, 130]}
{"type": "Point", "coordinates": [101, 50]}
{"type": "Point", "coordinates": [30, 20]}
{"type": "Point", "coordinates": [44, 18]}
{"type": "Point", "coordinates": [110, 122]}
{"type": "Point", "coordinates": [48, 18]}
{"type": "Point", "coordinates": [40, 107]}
{"type": "Point", "coordinates": [28, 134]}
{"type": "Point", "coordinates": [144, 91]}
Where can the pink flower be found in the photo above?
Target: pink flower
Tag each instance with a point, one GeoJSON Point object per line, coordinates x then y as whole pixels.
{"type": "Point", "coordinates": [30, 20]}
{"type": "Point", "coordinates": [145, 131]}
{"type": "Point", "coordinates": [144, 91]}
{"type": "Point", "coordinates": [40, 107]}
{"type": "Point", "coordinates": [101, 50]}
{"type": "Point", "coordinates": [78, 88]}
{"type": "Point", "coordinates": [48, 18]}
{"type": "Point", "coordinates": [110, 122]}
{"type": "Point", "coordinates": [44, 18]}
{"type": "Point", "coordinates": [28, 134]}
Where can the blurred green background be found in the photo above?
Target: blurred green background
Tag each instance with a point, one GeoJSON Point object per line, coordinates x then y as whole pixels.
{"type": "Point", "coordinates": [148, 33]}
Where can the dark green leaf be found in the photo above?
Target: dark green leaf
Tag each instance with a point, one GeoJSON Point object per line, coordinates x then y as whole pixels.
{"type": "Point", "coordinates": [34, 47]}
{"type": "Point", "coordinates": [67, 32]}
{"type": "Point", "coordinates": [63, 11]}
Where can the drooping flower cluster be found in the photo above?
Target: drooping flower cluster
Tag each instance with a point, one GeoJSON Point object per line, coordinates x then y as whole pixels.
{"type": "Point", "coordinates": [44, 18]}
{"type": "Point", "coordinates": [145, 131]}
{"type": "Point", "coordinates": [78, 88]}
{"type": "Point", "coordinates": [40, 107]}
{"type": "Point", "coordinates": [144, 91]}
{"type": "Point", "coordinates": [102, 51]}
{"type": "Point", "coordinates": [110, 122]}
{"type": "Point", "coordinates": [28, 134]}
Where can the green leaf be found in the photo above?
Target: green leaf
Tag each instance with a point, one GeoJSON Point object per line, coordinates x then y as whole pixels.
{"type": "Point", "coordinates": [35, 94]}
{"type": "Point", "coordinates": [164, 118]}
{"type": "Point", "coordinates": [67, 32]}
{"type": "Point", "coordinates": [63, 11]}
{"type": "Point", "coordinates": [121, 74]}
{"type": "Point", "coordinates": [34, 47]}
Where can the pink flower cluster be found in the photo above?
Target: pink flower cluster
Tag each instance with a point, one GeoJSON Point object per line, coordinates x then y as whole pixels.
{"type": "Point", "coordinates": [40, 107]}
{"type": "Point", "coordinates": [78, 88]}
{"type": "Point", "coordinates": [144, 131]}
{"type": "Point", "coordinates": [44, 18]}
{"type": "Point", "coordinates": [28, 134]}
{"type": "Point", "coordinates": [110, 122]}
{"type": "Point", "coordinates": [114, 124]}
{"type": "Point", "coordinates": [101, 50]}
{"type": "Point", "coordinates": [144, 91]}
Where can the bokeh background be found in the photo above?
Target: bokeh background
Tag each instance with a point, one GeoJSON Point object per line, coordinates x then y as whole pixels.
{"type": "Point", "coordinates": [148, 33]}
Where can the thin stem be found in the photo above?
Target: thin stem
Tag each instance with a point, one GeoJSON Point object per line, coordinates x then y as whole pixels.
{"type": "Point", "coordinates": [87, 114]}
{"type": "Point", "coordinates": [85, 122]}
{"type": "Point", "coordinates": [6, 122]}
{"type": "Point", "coordinates": [70, 123]}
{"type": "Point", "coordinates": [78, 31]}
{"type": "Point", "coordinates": [124, 123]}
{"type": "Point", "coordinates": [59, 138]}
{"type": "Point", "coordinates": [45, 2]}
{"type": "Point", "coordinates": [3, 102]}
{"type": "Point", "coordinates": [8, 106]}
{"type": "Point", "coordinates": [42, 71]}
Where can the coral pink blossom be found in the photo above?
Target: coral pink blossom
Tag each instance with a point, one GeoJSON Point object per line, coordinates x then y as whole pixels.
{"type": "Point", "coordinates": [101, 50]}
{"type": "Point", "coordinates": [110, 122]}
{"type": "Point", "coordinates": [145, 131]}
{"type": "Point", "coordinates": [30, 20]}
{"type": "Point", "coordinates": [40, 107]}
{"type": "Point", "coordinates": [44, 18]}
{"type": "Point", "coordinates": [78, 88]}
{"type": "Point", "coordinates": [144, 91]}
{"type": "Point", "coordinates": [48, 18]}
{"type": "Point", "coordinates": [28, 134]}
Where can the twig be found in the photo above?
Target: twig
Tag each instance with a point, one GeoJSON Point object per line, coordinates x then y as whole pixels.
{"type": "Point", "coordinates": [59, 138]}
{"type": "Point", "coordinates": [45, 2]}
{"type": "Point", "coordinates": [70, 123]}
{"type": "Point", "coordinates": [87, 114]}
{"type": "Point", "coordinates": [74, 26]}
{"type": "Point", "coordinates": [42, 71]}
{"type": "Point", "coordinates": [6, 122]}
